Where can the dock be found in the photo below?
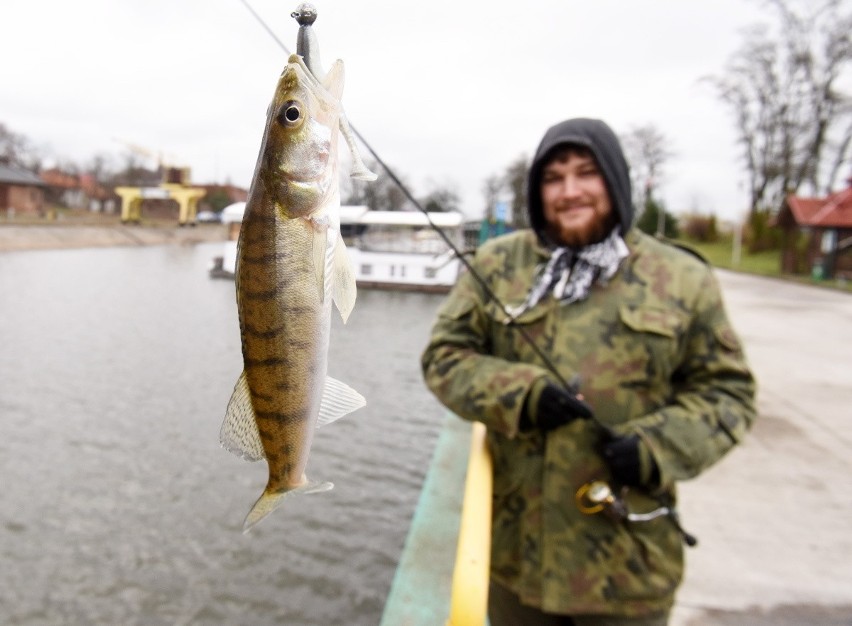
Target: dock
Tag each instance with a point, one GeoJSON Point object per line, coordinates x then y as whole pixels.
{"type": "Point", "coordinates": [421, 589]}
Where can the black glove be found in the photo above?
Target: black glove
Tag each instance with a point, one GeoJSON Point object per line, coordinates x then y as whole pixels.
{"type": "Point", "coordinates": [630, 461]}
{"type": "Point", "coordinates": [555, 407]}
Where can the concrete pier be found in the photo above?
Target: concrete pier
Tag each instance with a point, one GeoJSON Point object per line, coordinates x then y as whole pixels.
{"type": "Point", "coordinates": [773, 518]}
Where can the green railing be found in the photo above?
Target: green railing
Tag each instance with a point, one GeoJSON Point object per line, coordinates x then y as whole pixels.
{"type": "Point", "coordinates": [442, 576]}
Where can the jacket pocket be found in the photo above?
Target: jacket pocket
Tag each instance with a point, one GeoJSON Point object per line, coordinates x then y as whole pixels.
{"type": "Point", "coordinates": [657, 321]}
{"type": "Point", "coordinates": [650, 555]}
{"type": "Point", "coordinates": [506, 334]}
{"type": "Point", "coordinates": [652, 339]}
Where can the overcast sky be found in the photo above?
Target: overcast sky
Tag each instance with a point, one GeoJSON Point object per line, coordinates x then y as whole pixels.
{"type": "Point", "coordinates": [447, 93]}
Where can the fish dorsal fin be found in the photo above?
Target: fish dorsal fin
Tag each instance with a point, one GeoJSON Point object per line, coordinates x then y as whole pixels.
{"type": "Point", "coordinates": [338, 399]}
{"type": "Point", "coordinates": [239, 433]}
{"type": "Point", "coordinates": [333, 80]}
{"type": "Point", "coordinates": [345, 289]}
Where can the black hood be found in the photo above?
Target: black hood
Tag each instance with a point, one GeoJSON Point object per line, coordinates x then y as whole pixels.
{"type": "Point", "coordinates": [604, 145]}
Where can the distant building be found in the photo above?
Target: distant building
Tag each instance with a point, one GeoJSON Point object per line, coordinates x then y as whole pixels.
{"type": "Point", "coordinates": [81, 191]}
{"type": "Point", "coordinates": [818, 234]}
{"type": "Point", "coordinates": [21, 191]}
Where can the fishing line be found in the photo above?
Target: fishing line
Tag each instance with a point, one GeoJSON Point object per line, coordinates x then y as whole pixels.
{"type": "Point", "coordinates": [665, 508]}
{"type": "Point", "coordinates": [489, 293]}
{"type": "Point", "coordinates": [265, 27]}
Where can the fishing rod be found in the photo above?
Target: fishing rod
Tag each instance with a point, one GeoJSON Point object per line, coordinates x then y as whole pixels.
{"type": "Point", "coordinates": [591, 498]}
{"type": "Point", "coordinates": [305, 14]}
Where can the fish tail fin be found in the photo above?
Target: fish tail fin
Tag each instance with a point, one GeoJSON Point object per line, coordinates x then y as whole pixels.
{"type": "Point", "coordinates": [267, 503]}
{"type": "Point", "coordinates": [271, 500]}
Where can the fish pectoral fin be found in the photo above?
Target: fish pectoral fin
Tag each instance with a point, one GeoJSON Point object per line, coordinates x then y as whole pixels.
{"type": "Point", "coordinates": [338, 399]}
{"type": "Point", "coordinates": [239, 433]}
{"type": "Point", "coordinates": [344, 290]}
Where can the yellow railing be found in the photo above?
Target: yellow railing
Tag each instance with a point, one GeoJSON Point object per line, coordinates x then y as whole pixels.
{"type": "Point", "coordinates": [469, 600]}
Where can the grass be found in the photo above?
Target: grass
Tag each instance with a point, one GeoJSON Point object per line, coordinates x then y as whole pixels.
{"type": "Point", "coordinates": [721, 254]}
{"type": "Point", "coordinates": [767, 263]}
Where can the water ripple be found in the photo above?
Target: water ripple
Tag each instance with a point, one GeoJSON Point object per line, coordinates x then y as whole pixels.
{"type": "Point", "coordinates": [119, 505]}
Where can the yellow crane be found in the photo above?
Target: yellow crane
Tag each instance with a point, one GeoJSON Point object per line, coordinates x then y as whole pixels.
{"type": "Point", "coordinates": [174, 185]}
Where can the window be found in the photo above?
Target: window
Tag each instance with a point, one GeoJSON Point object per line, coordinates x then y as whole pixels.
{"type": "Point", "coordinates": [366, 269]}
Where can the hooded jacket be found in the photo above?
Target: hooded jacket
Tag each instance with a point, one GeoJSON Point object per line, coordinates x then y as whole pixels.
{"type": "Point", "coordinates": [657, 358]}
{"type": "Point", "coordinates": [604, 146]}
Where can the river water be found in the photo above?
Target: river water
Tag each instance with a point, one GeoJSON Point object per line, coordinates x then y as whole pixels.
{"type": "Point", "coordinates": [118, 504]}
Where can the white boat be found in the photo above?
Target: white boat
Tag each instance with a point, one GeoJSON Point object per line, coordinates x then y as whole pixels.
{"type": "Point", "coordinates": [389, 249]}
{"type": "Point", "coordinates": [225, 266]}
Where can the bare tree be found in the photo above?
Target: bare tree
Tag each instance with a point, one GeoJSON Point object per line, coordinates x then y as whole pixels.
{"type": "Point", "coordinates": [509, 186]}
{"type": "Point", "coordinates": [793, 122]}
{"type": "Point", "coordinates": [492, 189]}
{"type": "Point", "coordinates": [100, 166]}
{"type": "Point", "coordinates": [516, 181]}
{"type": "Point", "coordinates": [647, 150]}
{"type": "Point", "coordinates": [133, 173]}
{"type": "Point", "coordinates": [382, 194]}
{"type": "Point", "coordinates": [441, 197]}
{"type": "Point", "coordinates": [16, 150]}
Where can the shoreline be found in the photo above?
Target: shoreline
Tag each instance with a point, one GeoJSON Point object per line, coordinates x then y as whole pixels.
{"type": "Point", "coordinates": [23, 237]}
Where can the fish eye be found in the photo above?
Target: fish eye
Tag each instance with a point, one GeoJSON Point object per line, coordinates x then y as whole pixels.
{"type": "Point", "coordinates": [290, 113]}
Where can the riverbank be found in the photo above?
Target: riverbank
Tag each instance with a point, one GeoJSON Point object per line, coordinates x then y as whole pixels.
{"type": "Point", "coordinates": [17, 237]}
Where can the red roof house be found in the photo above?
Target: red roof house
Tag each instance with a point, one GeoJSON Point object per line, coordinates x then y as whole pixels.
{"type": "Point", "coordinates": [818, 234]}
{"type": "Point", "coordinates": [78, 191]}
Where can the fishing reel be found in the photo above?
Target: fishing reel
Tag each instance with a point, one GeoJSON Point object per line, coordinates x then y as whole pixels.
{"type": "Point", "coordinates": [598, 497]}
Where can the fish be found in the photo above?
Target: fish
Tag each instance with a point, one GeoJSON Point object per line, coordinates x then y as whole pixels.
{"type": "Point", "coordinates": [292, 265]}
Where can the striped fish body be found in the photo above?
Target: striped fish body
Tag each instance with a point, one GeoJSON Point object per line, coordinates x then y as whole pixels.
{"type": "Point", "coordinates": [284, 326]}
{"type": "Point", "coordinates": [291, 266]}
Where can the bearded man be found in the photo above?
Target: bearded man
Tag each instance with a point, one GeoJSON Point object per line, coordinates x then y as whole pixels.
{"type": "Point", "coordinates": [594, 354]}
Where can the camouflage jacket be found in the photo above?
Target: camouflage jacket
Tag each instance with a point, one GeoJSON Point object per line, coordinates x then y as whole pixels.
{"type": "Point", "coordinates": [656, 355]}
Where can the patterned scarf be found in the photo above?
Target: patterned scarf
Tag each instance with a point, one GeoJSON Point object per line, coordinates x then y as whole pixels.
{"type": "Point", "coordinates": [569, 274]}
